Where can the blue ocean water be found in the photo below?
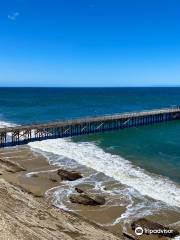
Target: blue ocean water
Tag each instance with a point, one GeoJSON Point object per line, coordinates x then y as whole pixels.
{"type": "Point", "coordinates": [154, 148]}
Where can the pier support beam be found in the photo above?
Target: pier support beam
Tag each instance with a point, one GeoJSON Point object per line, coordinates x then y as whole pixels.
{"type": "Point", "coordinates": [25, 134]}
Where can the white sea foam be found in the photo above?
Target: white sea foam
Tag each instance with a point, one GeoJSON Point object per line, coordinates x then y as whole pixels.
{"type": "Point", "coordinates": [177, 238]}
{"type": "Point", "coordinates": [92, 156]}
{"type": "Point", "coordinates": [30, 174]}
{"type": "Point", "coordinates": [4, 124]}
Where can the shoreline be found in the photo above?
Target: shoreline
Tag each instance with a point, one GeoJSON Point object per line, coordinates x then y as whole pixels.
{"type": "Point", "coordinates": [26, 213]}
{"type": "Point", "coordinates": [31, 174]}
{"type": "Point", "coordinates": [121, 169]}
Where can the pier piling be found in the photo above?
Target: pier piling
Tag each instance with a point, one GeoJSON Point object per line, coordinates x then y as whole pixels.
{"type": "Point", "coordinates": [11, 136]}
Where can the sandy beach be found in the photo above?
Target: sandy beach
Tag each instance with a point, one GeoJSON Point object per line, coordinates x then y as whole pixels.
{"type": "Point", "coordinates": [27, 207]}
{"type": "Point", "coordinates": [25, 213]}
{"type": "Point", "coordinates": [89, 120]}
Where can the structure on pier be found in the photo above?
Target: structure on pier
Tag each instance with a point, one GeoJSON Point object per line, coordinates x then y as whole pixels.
{"type": "Point", "coordinates": [12, 136]}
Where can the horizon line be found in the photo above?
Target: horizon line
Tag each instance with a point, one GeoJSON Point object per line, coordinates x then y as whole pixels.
{"type": "Point", "coordinates": [150, 86]}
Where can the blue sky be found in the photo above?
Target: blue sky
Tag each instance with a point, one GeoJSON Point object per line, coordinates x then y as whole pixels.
{"type": "Point", "coordinates": [89, 43]}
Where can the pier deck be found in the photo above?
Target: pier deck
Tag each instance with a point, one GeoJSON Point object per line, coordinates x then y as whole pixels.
{"type": "Point", "coordinates": [23, 134]}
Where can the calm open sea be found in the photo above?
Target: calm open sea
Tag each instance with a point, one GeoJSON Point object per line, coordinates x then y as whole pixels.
{"type": "Point", "coordinates": [142, 157]}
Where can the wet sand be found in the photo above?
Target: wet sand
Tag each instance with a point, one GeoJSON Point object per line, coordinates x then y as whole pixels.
{"type": "Point", "coordinates": [24, 211]}
{"type": "Point", "coordinates": [27, 177]}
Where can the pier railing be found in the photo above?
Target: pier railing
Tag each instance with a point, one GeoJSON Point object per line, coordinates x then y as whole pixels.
{"type": "Point", "coordinates": [23, 134]}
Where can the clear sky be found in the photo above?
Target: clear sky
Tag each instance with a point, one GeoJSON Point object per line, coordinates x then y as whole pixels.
{"type": "Point", "coordinates": [89, 42]}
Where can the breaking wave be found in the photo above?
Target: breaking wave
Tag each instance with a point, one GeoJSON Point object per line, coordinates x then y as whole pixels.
{"type": "Point", "coordinates": [122, 170]}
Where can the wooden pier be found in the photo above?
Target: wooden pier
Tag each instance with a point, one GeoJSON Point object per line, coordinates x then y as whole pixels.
{"type": "Point", "coordinates": [23, 134]}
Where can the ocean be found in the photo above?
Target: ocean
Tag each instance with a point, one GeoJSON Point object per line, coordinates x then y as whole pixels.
{"type": "Point", "coordinates": [145, 159]}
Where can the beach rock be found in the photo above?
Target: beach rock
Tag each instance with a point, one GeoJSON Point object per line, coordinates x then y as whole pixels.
{"type": "Point", "coordinates": [84, 187]}
{"type": "Point", "coordinates": [158, 229]}
{"type": "Point", "coordinates": [79, 190]}
{"type": "Point", "coordinates": [100, 200]}
{"type": "Point", "coordinates": [87, 199]}
{"type": "Point", "coordinates": [69, 175]}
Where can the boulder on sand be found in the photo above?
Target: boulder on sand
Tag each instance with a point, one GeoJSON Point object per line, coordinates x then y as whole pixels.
{"type": "Point", "coordinates": [87, 199]}
{"type": "Point", "coordinates": [84, 187]}
{"type": "Point", "coordinates": [69, 174]}
{"type": "Point", "coordinates": [79, 190]}
{"type": "Point", "coordinates": [154, 227]}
